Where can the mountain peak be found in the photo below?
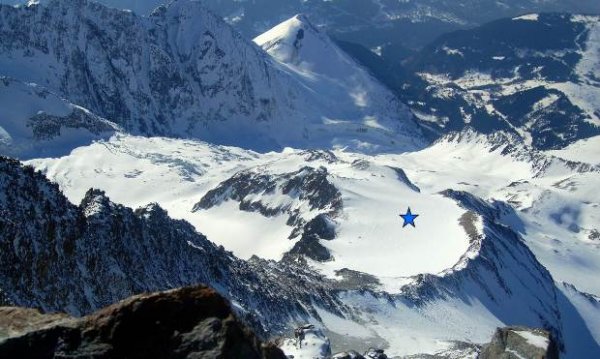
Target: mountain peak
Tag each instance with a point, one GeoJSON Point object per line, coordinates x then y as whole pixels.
{"type": "Point", "coordinates": [285, 40]}
{"type": "Point", "coordinates": [302, 19]}
{"type": "Point", "coordinates": [95, 201]}
{"type": "Point", "coordinates": [184, 72]}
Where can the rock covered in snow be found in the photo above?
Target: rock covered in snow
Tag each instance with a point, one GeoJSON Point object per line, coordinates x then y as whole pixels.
{"type": "Point", "coordinates": [37, 123]}
{"type": "Point", "coordinates": [375, 353]}
{"type": "Point", "coordinates": [298, 195]}
{"type": "Point", "coordinates": [351, 354]}
{"type": "Point", "coordinates": [521, 342]}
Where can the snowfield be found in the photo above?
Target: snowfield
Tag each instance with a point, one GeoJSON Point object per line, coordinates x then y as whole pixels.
{"type": "Point", "coordinates": [370, 237]}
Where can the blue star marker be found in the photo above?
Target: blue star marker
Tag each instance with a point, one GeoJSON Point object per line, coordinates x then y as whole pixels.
{"type": "Point", "coordinates": [409, 218]}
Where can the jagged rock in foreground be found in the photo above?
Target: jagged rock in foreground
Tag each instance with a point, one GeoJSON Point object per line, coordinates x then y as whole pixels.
{"type": "Point", "coordinates": [183, 323]}
{"type": "Point", "coordinates": [521, 342]}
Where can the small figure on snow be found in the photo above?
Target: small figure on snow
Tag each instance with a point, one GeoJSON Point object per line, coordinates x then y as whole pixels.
{"type": "Point", "coordinates": [299, 333]}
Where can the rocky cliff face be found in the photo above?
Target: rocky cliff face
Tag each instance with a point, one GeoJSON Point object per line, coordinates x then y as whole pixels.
{"type": "Point", "coordinates": [182, 72]}
{"type": "Point", "coordinates": [521, 342]}
{"type": "Point", "coordinates": [188, 322]}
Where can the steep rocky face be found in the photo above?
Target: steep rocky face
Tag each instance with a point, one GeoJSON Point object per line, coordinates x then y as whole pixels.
{"type": "Point", "coordinates": [60, 257]}
{"type": "Point", "coordinates": [141, 73]}
{"type": "Point", "coordinates": [181, 72]}
{"type": "Point", "coordinates": [521, 342]}
{"type": "Point", "coordinates": [188, 322]}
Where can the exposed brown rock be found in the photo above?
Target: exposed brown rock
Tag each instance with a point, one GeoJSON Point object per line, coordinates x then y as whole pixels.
{"type": "Point", "coordinates": [193, 322]}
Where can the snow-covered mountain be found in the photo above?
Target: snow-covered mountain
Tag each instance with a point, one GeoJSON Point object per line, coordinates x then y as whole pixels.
{"type": "Point", "coordinates": [533, 75]}
{"type": "Point", "coordinates": [324, 69]}
{"type": "Point", "coordinates": [507, 229]}
{"type": "Point", "coordinates": [58, 256]}
{"type": "Point", "coordinates": [496, 281]}
{"type": "Point", "coordinates": [184, 72]}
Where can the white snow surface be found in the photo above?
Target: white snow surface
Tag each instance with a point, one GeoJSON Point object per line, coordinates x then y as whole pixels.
{"type": "Point", "coordinates": [528, 17]}
{"type": "Point", "coordinates": [314, 346]}
{"type": "Point", "coordinates": [131, 168]}
{"type": "Point", "coordinates": [586, 150]}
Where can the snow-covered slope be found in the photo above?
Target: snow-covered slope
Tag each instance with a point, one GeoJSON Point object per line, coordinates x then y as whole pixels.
{"type": "Point", "coordinates": [342, 85]}
{"type": "Point", "coordinates": [586, 150]}
{"type": "Point", "coordinates": [310, 344]}
{"type": "Point", "coordinates": [551, 202]}
{"type": "Point", "coordinates": [261, 204]}
{"type": "Point", "coordinates": [36, 123]}
{"type": "Point", "coordinates": [183, 72]}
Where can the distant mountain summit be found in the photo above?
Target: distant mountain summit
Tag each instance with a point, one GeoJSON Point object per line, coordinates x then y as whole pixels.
{"type": "Point", "coordinates": [355, 100]}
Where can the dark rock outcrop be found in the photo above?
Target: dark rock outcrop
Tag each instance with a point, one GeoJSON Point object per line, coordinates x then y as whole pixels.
{"type": "Point", "coordinates": [376, 353]}
{"type": "Point", "coordinates": [189, 322]}
{"type": "Point", "coordinates": [309, 245]}
{"type": "Point", "coordinates": [309, 185]}
{"type": "Point", "coordinates": [520, 342]}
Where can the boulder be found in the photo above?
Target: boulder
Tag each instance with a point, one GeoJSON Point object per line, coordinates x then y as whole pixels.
{"type": "Point", "coordinates": [188, 322]}
{"type": "Point", "coordinates": [375, 353]}
{"type": "Point", "coordinates": [520, 342]}
{"type": "Point", "coordinates": [351, 354]}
